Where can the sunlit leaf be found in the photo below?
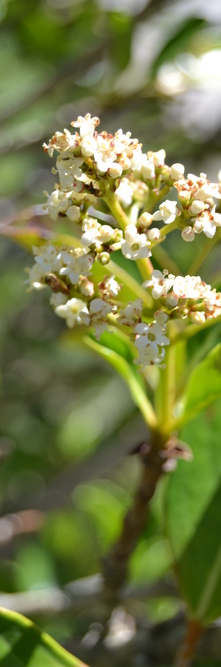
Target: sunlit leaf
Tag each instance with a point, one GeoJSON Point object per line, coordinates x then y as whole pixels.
{"type": "Point", "coordinates": [203, 386]}
{"type": "Point", "coordinates": [192, 514]}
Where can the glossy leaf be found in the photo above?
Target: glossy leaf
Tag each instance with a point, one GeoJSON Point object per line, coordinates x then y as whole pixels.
{"type": "Point", "coordinates": [203, 387]}
{"type": "Point", "coordinates": [23, 644]}
{"type": "Point", "coordinates": [192, 512]}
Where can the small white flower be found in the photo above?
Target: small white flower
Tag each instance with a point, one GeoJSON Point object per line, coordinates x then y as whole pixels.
{"type": "Point", "coordinates": [99, 311]}
{"type": "Point", "coordinates": [76, 263]}
{"type": "Point", "coordinates": [86, 124]}
{"type": "Point", "coordinates": [206, 191]}
{"type": "Point", "coordinates": [150, 333]}
{"type": "Point", "coordinates": [149, 338]}
{"type": "Point", "coordinates": [134, 246]}
{"type": "Point", "coordinates": [124, 193]}
{"type": "Point", "coordinates": [88, 145]}
{"type": "Point", "coordinates": [94, 233]}
{"type": "Point", "coordinates": [58, 299]}
{"type": "Point", "coordinates": [48, 257]}
{"type": "Point", "coordinates": [167, 212]}
{"type": "Point", "coordinates": [109, 287]}
{"type": "Point", "coordinates": [91, 231]}
{"type": "Point", "coordinates": [35, 278]}
{"type": "Point", "coordinates": [131, 313]}
{"type": "Point", "coordinates": [161, 283]}
{"type": "Point", "coordinates": [74, 312]}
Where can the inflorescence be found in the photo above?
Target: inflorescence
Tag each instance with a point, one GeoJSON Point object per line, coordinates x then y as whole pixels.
{"type": "Point", "coordinates": [96, 170]}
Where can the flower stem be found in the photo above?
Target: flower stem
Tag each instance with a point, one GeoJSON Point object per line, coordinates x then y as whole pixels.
{"type": "Point", "coordinates": [131, 283]}
{"type": "Point", "coordinates": [188, 646]}
{"type": "Point", "coordinates": [145, 267]}
{"type": "Point", "coordinates": [202, 255]}
{"type": "Point", "coordinates": [116, 209]}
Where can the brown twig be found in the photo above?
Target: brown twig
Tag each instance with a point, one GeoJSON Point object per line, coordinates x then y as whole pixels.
{"type": "Point", "coordinates": [115, 564]}
{"type": "Point", "coordinates": [187, 650]}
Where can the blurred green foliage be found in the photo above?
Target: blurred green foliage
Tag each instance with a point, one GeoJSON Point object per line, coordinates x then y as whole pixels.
{"type": "Point", "coordinates": [67, 421]}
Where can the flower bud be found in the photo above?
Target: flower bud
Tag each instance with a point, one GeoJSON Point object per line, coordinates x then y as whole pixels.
{"type": "Point", "coordinates": [197, 207]}
{"type": "Point", "coordinates": [103, 258]}
{"type": "Point", "coordinates": [153, 234]}
{"type": "Point", "coordinates": [115, 171]}
{"type": "Point", "coordinates": [188, 234]}
{"type": "Point", "coordinates": [73, 213]}
{"type": "Point", "coordinates": [144, 220]}
{"type": "Point", "coordinates": [177, 171]}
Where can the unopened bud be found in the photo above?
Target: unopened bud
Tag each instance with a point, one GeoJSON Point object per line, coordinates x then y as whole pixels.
{"type": "Point", "coordinates": [159, 158]}
{"type": "Point", "coordinates": [144, 220]}
{"type": "Point", "coordinates": [73, 213]}
{"type": "Point", "coordinates": [197, 207]}
{"type": "Point", "coordinates": [153, 234]}
{"type": "Point", "coordinates": [116, 171]}
{"type": "Point", "coordinates": [177, 171]}
{"type": "Point", "coordinates": [198, 317]}
{"type": "Point", "coordinates": [87, 288]}
{"type": "Point", "coordinates": [184, 197]}
{"type": "Point", "coordinates": [103, 258]}
{"type": "Point", "coordinates": [188, 234]}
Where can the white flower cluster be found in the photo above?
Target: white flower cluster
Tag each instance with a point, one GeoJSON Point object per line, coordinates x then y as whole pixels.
{"type": "Point", "coordinates": [64, 262]}
{"type": "Point", "coordinates": [113, 154]}
{"type": "Point", "coordinates": [196, 195]}
{"type": "Point", "coordinates": [76, 312]}
{"type": "Point", "coordinates": [94, 166]}
{"type": "Point", "coordinates": [190, 295]}
{"type": "Point", "coordinates": [73, 298]}
{"type": "Point", "coordinates": [150, 340]}
{"type": "Point", "coordinates": [197, 204]}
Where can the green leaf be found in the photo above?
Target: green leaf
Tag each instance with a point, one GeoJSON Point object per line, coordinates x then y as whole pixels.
{"type": "Point", "coordinates": [204, 385]}
{"type": "Point", "coordinates": [22, 644]}
{"type": "Point", "coordinates": [202, 389]}
{"type": "Point", "coordinates": [117, 350]}
{"type": "Point", "coordinates": [192, 513]}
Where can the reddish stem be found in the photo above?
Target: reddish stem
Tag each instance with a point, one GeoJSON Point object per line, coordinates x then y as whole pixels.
{"type": "Point", "coordinates": [187, 649]}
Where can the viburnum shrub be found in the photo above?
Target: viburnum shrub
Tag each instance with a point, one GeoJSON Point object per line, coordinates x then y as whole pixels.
{"type": "Point", "coordinates": [120, 200]}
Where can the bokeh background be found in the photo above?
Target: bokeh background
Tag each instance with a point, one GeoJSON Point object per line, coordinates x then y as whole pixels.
{"type": "Point", "coordinates": [66, 419]}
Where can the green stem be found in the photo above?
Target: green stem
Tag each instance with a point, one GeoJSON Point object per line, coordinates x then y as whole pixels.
{"type": "Point", "coordinates": [116, 209]}
{"type": "Point", "coordinates": [165, 261]}
{"type": "Point", "coordinates": [145, 267]}
{"type": "Point", "coordinates": [155, 196]}
{"type": "Point", "coordinates": [34, 635]}
{"type": "Point", "coordinates": [130, 282]}
{"type": "Point", "coordinates": [166, 229]}
{"type": "Point", "coordinates": [202, 255]}
{"type": "Point", "coordinates": [166, 390]}
{"type": "Point", "coordinates": [194, 329]}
